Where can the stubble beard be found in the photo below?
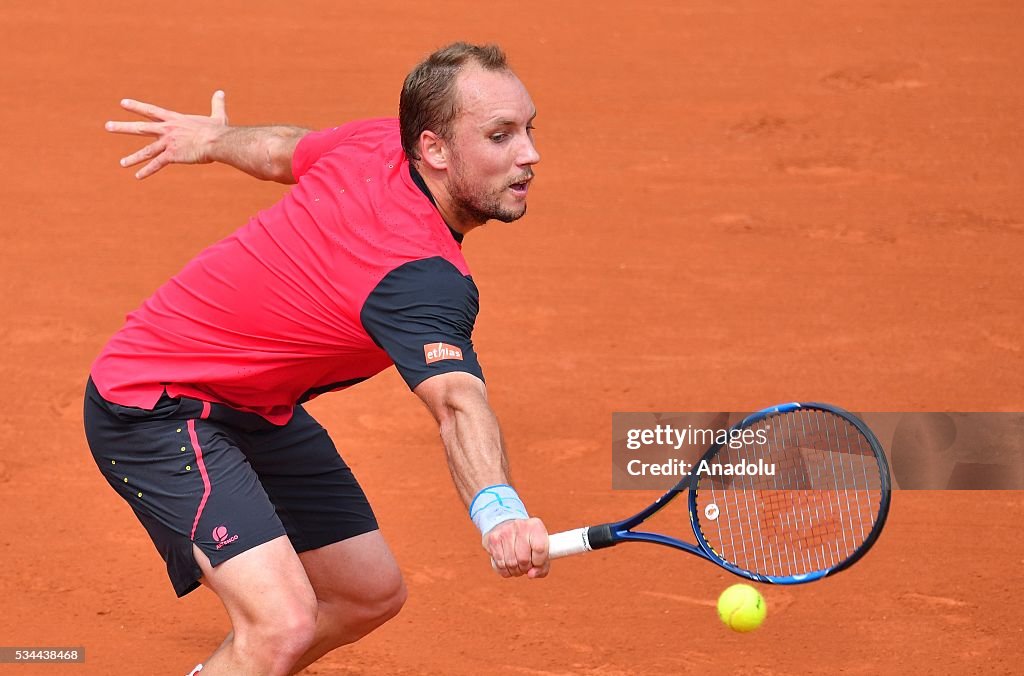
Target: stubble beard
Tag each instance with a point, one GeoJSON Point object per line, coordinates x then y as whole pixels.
{"type": "Point", "coordinates": [473, 207]}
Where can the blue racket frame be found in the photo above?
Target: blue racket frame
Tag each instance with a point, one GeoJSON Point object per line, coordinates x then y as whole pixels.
{"type": "Point", "coordinates": [621, 531]}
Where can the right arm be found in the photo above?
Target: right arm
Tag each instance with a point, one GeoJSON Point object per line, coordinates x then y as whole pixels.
{"type": "Point", "coordinates": [263, 152]}
{"type": "Point", "coordinates": [477, 459]}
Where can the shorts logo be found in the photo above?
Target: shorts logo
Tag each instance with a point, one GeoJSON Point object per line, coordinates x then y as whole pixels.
{"type": "Point", "coordinates": [438, 351]}
{"type": "Point", "coordinates": [220, 534]}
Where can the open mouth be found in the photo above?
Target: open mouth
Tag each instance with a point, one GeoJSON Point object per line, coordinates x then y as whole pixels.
{"type": "Point", "coordinates": [520, 188]}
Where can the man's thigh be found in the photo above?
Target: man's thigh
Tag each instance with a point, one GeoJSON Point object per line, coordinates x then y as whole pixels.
{"type": "Point", "coordinates": [258, 584]}
{"type": "Point", "coordinates": [360, 571]}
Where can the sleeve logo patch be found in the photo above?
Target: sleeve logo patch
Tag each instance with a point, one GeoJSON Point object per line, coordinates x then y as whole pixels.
{"type": "Point", "coordinates": [438, 351]}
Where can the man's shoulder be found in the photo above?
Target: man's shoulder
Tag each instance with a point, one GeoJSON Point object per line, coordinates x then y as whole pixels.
{"type": "Point", "coordinates": [372, 131]}
{"type": "Point", "coordinates": [434, 272]}
{"type": "Point", "coordinates": [352, 142]}
{"type": "Point", "coordinates": [433, 282]}
{"type": "Point", "coordinates": [386, 124]}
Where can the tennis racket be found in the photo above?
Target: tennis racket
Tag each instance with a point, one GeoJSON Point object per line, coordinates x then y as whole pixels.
{"type": "Point", "coordinates": [821, 509]}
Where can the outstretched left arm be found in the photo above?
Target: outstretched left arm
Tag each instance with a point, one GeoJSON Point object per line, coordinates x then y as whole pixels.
{"type": "Point", "coordinates": [263, 152]}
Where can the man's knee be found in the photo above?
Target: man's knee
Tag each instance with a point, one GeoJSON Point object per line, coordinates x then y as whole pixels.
{"type": "Point", "coordinates": [380, 601]}
{"type": "Point", "coordinates": [358, 585]}
{"type": "Point", "coordinates": [280, 638]}
{"type": "Point", "coordinates": [272, 605]}
{"type": "Point", "coordinates": [390, 599]}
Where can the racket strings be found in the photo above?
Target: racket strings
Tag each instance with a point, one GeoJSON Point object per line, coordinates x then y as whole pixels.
{"type": "Point", "coordinates": [809, 504]}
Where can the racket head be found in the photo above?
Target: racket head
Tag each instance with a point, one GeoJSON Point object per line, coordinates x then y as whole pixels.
{"type": "Point", "coordinates": [818, 514]}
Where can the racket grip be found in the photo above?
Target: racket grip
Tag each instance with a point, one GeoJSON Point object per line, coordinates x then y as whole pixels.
{"type": "Point", "coordinates": [567, 543]}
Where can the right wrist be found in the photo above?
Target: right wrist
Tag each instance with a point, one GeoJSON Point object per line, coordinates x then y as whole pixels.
{"type": "Point", "coordinates": [496, 504]}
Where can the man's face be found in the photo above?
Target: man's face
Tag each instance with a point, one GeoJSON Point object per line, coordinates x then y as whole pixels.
{"type": "Point", "coordinates": [491, 150]}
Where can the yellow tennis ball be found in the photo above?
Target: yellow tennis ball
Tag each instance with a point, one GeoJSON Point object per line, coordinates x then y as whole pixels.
{"type": "Point", "coordinates": [742, 608]}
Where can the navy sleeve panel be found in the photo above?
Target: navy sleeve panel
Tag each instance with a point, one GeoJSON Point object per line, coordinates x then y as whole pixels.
{"type": "Point", "coordinates": [422, 314]}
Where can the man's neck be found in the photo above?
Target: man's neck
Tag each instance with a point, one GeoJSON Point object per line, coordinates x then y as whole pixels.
{"type": "Point", "coordinates": [439, 195]}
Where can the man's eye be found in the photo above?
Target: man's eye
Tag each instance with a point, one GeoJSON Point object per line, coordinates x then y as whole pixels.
{"type": "Point", "coordinates": [499, 137]}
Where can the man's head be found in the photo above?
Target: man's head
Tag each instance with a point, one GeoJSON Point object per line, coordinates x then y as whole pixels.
{"type": "Point", "coordinates": [466, 122]}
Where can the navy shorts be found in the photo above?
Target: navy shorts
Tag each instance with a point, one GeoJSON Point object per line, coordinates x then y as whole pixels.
{"type": "Point", "coordinates": [205, 474]}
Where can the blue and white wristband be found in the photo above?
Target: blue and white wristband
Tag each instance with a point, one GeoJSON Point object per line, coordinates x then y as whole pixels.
{"type": "Point", "coordinates": [495, 504]}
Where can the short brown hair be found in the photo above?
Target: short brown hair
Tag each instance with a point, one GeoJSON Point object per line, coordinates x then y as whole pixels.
{"type": "Point", "coordinates": [429, 99]}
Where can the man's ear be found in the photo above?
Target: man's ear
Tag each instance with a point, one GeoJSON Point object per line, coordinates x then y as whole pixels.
{"type": "Point", "coordinates": [433, 150]}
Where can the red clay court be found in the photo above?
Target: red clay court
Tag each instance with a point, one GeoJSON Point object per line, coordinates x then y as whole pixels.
{"type": "Point", "coordinates": [739, 204]}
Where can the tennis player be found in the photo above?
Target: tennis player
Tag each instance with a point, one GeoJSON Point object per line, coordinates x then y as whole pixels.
{"type": "Point", "coordinates": [194, 407]}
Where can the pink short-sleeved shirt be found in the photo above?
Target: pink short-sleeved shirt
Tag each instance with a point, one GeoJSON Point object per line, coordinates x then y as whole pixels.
{"type": "Point", "coordinates": [353, 270]}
